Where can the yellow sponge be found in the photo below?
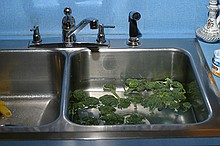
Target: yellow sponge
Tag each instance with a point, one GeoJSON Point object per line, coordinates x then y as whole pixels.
{"type": "Point", "coordinates": [4, 110]}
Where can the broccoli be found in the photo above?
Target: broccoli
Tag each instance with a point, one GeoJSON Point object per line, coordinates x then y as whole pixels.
{"type": "Point", "coordinates": [77, 95]}
{"type": "Point", "coordinates": [90, 121]}
{"type": "Point", "coordinates": [106, 110]}
{"type": "Point", "coordinates": [193, 90]}
{"type": "Point", "coordinates": [110, 87]}
{"type": "Point", "coordinates": [78, 105]}
{"type": "Point", "coordinates": [152, 102]}
{"type": "Point", "coordinates": [113, 119]}
{"type": "Point", "coordinates": [196, 96]}
{"type": "Point", "coordinates": [70, 109]}
{"type": "Point", "coordinates": [167, 93]}
{"type": "Point", "coordinates": [75, 118]}
{"type": "Point", "coordinates": [135, 119]}
{"type": "Point", "coordinates": [174, 105]}
{"type": "Point", "coordinates": [124, 103]}
{"type": "Point", "coordinates": [128, 91]}
{"type": "Point", "coordinates": [90, 101]}
{"type": "Point", "coordinates": [149, 85]}
{"type": "Point", "coordinates": [150, 94]}
{"type": "Point", "coordinates": [134, 85]}
{"type": "Point", "coordinates": [158, 85]}
{"type": "Point", "coordinates": [186, 106]}
{"type": "Point", "coordinates": [135, 98]}
{"type": "Point", "coordinates": [108, 100]}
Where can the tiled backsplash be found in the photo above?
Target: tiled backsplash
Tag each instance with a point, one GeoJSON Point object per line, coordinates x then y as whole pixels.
{"type": "Point", "coordinates": [158, 16]}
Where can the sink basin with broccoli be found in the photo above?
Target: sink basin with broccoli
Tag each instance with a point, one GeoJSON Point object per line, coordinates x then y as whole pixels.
{"type": "Point", "coordinates": [128, 87]}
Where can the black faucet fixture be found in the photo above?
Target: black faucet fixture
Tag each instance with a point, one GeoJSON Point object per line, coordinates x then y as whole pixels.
{"type": "Point", "coordinates": [134, 32]}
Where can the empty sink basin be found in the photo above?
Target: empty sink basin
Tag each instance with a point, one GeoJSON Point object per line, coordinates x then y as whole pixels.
{"type": "Point", "coordinates": [31, 86]}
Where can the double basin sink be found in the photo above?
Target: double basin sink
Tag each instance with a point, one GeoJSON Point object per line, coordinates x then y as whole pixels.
{"type": "Point", "coordinates": [36, 84]}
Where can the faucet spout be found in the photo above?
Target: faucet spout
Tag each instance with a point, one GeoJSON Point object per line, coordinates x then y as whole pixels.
{"type": "Point", "coordinates": [93, 25]}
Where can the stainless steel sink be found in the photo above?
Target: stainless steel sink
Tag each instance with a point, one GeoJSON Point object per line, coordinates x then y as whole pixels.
{"type": "Point", "coordinates": [178, 59]}
{"type": "Point", "coordinates": [36, 84]}
{"type": "Point", "coordinates": [91, 70]}
{"type": "Point", "coordinates": [31, 86]}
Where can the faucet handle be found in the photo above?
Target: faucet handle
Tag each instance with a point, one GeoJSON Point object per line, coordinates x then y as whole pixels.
{"type": "Point", "coordinates": [101, 34]}
{"type": "Point", "coordinates": [67, 11]}
{"type": "Point", "coordinates": [94, 24]}
{"type": "Point", "coordinates": [36, 35]}
{"type": "Point", "coordinates": [68, 21]}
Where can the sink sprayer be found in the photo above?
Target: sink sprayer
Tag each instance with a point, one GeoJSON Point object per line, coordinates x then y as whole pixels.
{"type": "Point", "coordinates": [134, 32]}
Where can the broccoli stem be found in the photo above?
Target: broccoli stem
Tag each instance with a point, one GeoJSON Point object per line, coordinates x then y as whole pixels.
{"type": "Point", "coordinates": [110, 87]}
{"type": "Point", "coordinates": [135, 108]}
{"type": "Point", "coordinates": [114, 93]}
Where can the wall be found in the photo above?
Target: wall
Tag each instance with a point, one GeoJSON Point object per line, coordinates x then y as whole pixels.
{"type": "Point", "coordinates": [158, 16]}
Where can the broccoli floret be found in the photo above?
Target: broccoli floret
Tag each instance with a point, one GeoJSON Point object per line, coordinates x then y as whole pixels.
{"type": "Point", "coordinates": [108, 100]}
{"type": "Point", "coordinates": [90, 121]}
{"type": "Point", "coordinates": [149, 85]}
{"type": "Point", "coordinates": [106, 110]}
{"type": "Point", "coordinates": [78, 105]}
{"type": "Point", "coordinates": [113, 119]}
{"type": "Point", "coordinates": [158, 85]}
{"type": "Point", "coordinates": [91, 101]}
{"type": "Point", "coordinates": [134, 85]}
{"type": "Point", "coordinates": [78, 95]}
{"type": "Point", "coordinates": [193, 90]}
{"type": "Point", "coordinates": [75, 118]}
{"type": "Point", "coordinates": [152, 102]}
{"type": "Point", "coordinates": [110, 87]}
{"type": "Point", "coordinates": [70, 111]}
{"type": "Point", "coordinates": [178, 94]}
{"type": "Point", "coordinates": [135, 119]}
{"type": "Point", "coordinates": [174, 105]}
{"type": "Point", "coordinates": [135, 98]}
{"type": "Point", "coordinates": [196, 96]}
{"type": "Point", "coordinates": [166, 93]}
{"type": "Point", "coordinates": [128, 91]}
{"type": "Point", "coordinates": [186, 106]}
{"type": "Point", "coordinates": [124, 103]}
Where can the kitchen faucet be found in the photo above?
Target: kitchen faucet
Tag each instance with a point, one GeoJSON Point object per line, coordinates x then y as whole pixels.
{"type": "Point", "coordinates": [69, 28]}
{"type": "Point", "coordinates": [93, 25]}
{"type": "Point", "coordinates": [134, 32]}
